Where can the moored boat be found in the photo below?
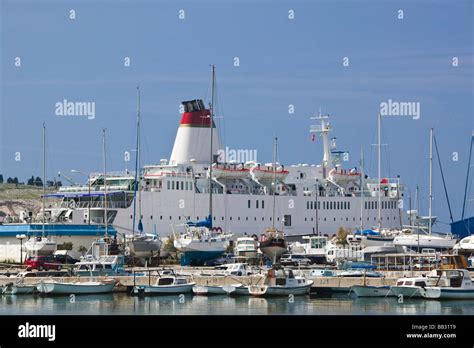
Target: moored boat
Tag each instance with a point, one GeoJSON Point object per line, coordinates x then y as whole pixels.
{"type": "Point", "coordinates": [280, 282]}
{"type": "Point", "coordinates": [165, 285]}
{"type": "Point", "coordinates": [65, 288]}
{"type": "Point", "coordinates": [410, 287]}
{"type": "Point", "coordinates": [452, 284]}
{"type": "Point", "coordinates": [371, 291]}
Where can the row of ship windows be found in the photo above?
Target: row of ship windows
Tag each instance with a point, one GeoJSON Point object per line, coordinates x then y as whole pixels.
{"type": "Point", "coordinates": [329, 205]}
{"type": "Point", "coordinates": [353, 219]}
{"type": "Point", "coordinates": [287, 218]}
{"type": "Point", "coordinates": [179, 185]}
{"type": "Point", "coordinates": [347, 205]}
{"type": "Point", "coordinates": [385, 205]}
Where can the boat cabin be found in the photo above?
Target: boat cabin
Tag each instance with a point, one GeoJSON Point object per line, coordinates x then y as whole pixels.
{"type": "Point", "coordinates": [453, 278]}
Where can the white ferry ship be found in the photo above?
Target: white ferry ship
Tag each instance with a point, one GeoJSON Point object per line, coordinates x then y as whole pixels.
{"type": "Point", "coordinates": [310, 199]}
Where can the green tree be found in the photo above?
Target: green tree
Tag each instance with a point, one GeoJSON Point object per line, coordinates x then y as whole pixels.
{"type": "Point", "coordinates": [341, 236]}
{"type": "Point", "coordinates": [82, 249]}
{"type": "Point", "coordinates": [1, 178]}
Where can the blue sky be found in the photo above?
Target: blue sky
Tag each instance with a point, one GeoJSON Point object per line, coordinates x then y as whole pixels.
{"type": "Point", "coordinates": [282, 62]}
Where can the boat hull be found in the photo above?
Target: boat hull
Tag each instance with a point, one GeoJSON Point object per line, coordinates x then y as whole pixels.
{"type": "Point", "coordinates": [145, 248]}
{"type": "Point", "coordinates": [53, 288]}
{"type": "Point", "coordinates": [274, 248]}
{"type": "Point", "coordinates": [208, 290]}
{"type": "Point", "coordinates": [438, 293]}
{"type": "Point", "coordinates": [19, 289]}
{"type": "Point", "coordinates": [151, 290]}
{"type": "Point", "coordinates": [407, 291]}
{"type": "Point", "coordinates": [268, 291]}
{"type": "Point", "coordinates": [371, 291]}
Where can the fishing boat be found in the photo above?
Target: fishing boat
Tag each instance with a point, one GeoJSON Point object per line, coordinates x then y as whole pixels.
{"type": "Point", "coordinates": [410, 287]}
{"type": "Point", "coordinates": [66, 288]}
{"type": "Point", "coordinates": [281, 282]}
{"type": "Point", "coordinates": [165, 285]}
{"type": "Point", "coordinates": [451, 284]}
{"type": "Point", "coordinates": [371, 291]}
{"type": "Point", "coordinates": [98, 261]}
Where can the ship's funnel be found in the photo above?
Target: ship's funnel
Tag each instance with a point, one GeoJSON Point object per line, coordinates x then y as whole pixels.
{"type": "Point", "coordinates": [194, 134]}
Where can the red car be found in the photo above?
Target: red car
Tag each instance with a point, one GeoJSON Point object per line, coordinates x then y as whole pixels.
{"type": "Point", "coordinates": [42, 263]}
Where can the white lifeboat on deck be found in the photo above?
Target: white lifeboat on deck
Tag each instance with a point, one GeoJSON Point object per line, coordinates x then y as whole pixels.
{"type": "Point", "coordinates": [229, 171]}
{"type": "Point", "coordinates": [266, 172]}
{"type": "Point", "coordinates": [342, 175]}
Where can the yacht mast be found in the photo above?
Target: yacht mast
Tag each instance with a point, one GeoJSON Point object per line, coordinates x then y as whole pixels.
{"type": "Point", "coordinates": [106, 220]}
{"type": "Point", "coordinates": [274, 180]}
{"type": "Point", "coordinates": [361, 189]}
{"type": "Point", "coordinates": [137, 177]}
{"type": "Point", "coordinates": [430, 223]}
{"type": "Point", "coordinates": [379, 160]}
{"type": "Point", "coordinates": [211, 123]}
{"type": "Point", "coordinates": [44, 176]}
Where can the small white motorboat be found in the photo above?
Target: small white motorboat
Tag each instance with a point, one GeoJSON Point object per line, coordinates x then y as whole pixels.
{"type": "Point", "coordinates": [371, 291]}
{"type": "Point", "coordinates": [279, 282]}
{"type": "Point", "coordinates": [65, 288]}
{"type": "Point", "coordinates": [236, 289]}
{"type": "Point", "coordinates": [452, 284]}
{"type": "Point", "coordinates": [166, 285]}
{"type": "Point", "coordinates": [410, 287]}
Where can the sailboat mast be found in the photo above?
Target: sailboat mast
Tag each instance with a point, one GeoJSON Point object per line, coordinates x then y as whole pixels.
{"type": "Point", "coordinates": [106, 220]}
{"type": "Point", "coordinates": [274, 180]}
{"type": "Point", "coordinates": [44, 176]}
{"type": "Point", "coordinates": [379, 160]}
{"type": "Point", "coordinates": [361, 189]}
{"type": "Point", "coordinates": [431, 183]}
{"type": "Point", "coordinates": [211, 123]}
{"type": "Point", "coordinates": [136, 185]}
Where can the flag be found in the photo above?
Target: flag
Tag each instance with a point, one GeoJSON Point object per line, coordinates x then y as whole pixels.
{"type": "Point", "coordinates": [312, 137]}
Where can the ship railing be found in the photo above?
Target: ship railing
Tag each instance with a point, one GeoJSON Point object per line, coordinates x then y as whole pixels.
{"type": "Point", "coordinates": [168, 175]}
{"type": "Point", "coordinates": [85, 204]}
{"type": "Point", "coordinates": [125, 174]}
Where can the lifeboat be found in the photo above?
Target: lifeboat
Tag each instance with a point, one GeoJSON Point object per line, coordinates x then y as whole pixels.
{"type": "Point", "coordinates": [229, 171]}
{"type": "Point", "coordinates": [342, 175]}
{"type": "Point", "coordinates": [266, 172]}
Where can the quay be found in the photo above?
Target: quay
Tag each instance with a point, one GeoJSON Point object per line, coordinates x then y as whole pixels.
{"type": "Point", "coordinates": [209, 276]}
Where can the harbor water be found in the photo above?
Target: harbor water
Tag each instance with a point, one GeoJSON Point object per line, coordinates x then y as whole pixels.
{"type": "Point", "coordinates": [122, 304]}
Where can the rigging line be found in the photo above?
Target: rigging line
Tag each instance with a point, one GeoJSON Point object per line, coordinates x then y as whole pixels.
{"type": "Point", "coordinates": [467, 177]}
{"type": "Point", "coordinates": [442, 177]}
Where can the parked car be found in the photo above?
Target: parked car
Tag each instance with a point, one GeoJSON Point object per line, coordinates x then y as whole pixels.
{"type": "Point", "coordinates": [42, 263]}
{"type": "Point", "coordinates": [295, 260]}
{"type": "Point", "coordinates": [65, 259]}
